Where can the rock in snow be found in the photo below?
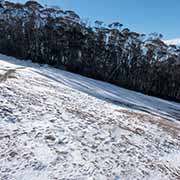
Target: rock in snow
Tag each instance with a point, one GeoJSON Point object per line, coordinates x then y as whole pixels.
{"type": "Point", "coordinates": [56, 125]}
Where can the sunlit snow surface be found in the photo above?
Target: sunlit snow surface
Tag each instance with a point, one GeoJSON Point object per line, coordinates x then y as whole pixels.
{"type": "Point", "coordinates": [56, 125]}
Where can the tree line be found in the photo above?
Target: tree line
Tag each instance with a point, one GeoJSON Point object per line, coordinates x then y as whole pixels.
{"type": "Point", "coordinates": [112, 53]}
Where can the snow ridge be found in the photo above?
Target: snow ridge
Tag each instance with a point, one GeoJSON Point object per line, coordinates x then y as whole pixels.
{"type": "Point", "coordinates": [173, 41]}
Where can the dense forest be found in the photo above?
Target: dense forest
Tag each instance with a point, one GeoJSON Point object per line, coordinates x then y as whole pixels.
{"type": "Point", "coordinates": [106, 52]}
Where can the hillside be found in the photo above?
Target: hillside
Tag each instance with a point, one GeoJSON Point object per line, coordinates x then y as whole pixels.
{"type": "Point", "coordinates": [56, 125]}
{"type": "Point", "coordinates": [109, 52]}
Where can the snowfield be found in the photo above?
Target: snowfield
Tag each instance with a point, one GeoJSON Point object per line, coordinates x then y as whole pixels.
{"type": "Point", "coordinates": [55, 125]}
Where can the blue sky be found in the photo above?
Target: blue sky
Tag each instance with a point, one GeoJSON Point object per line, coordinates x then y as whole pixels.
{"type": "Point", "coordinates": [144, 16]}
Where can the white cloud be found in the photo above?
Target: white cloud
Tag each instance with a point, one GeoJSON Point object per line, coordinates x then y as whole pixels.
{"type": "Point", "coordinates": [173, 41]}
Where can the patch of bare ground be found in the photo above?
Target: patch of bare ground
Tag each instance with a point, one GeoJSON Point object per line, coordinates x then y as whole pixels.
{"type": "Point", "coordinates": [171, 127]}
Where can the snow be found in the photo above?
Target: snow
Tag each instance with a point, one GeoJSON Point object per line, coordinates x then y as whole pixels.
{"type": "Point", "coordinates": [62, 126]}
{"type": "Point", "coordinates": [173, 41]}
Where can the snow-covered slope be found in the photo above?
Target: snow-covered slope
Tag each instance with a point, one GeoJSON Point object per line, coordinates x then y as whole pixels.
{"type": "Point", "coordinates": [56, 125]}
{"type": "Point", "coordinates": [173, 41]}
